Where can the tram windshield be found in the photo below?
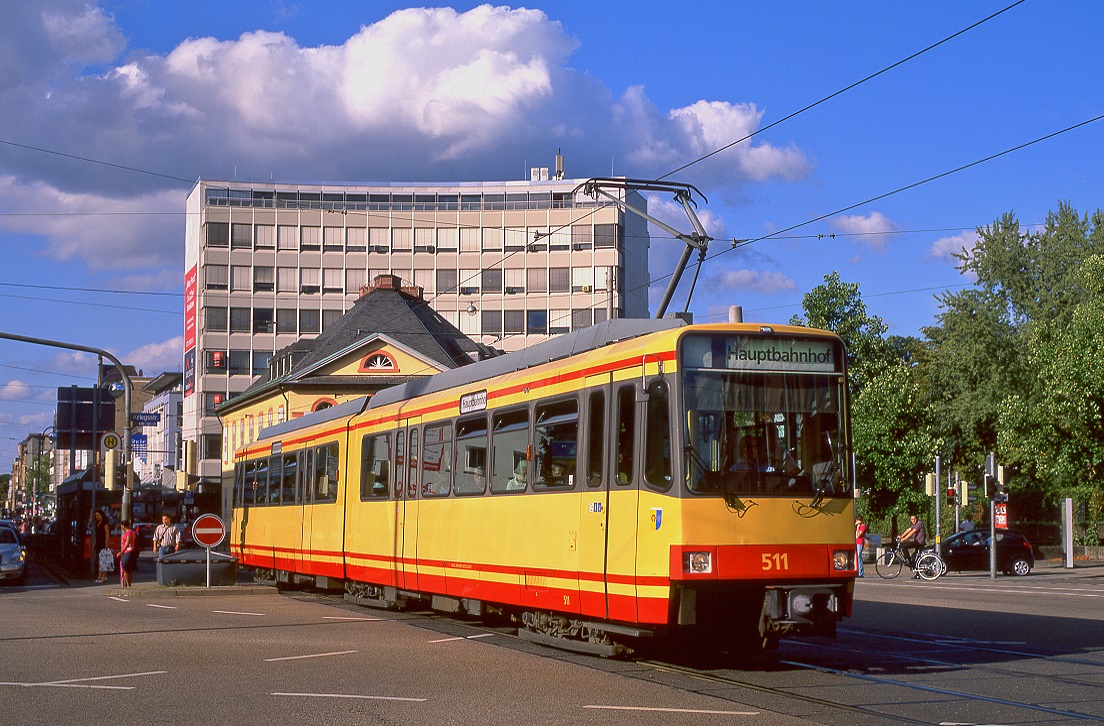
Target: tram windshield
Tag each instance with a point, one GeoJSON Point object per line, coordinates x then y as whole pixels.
{"type": "Point", "coordinates": [763, 423]}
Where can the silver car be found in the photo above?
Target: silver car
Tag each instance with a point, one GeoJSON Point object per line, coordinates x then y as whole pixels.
{"type": "Point", "coordinates": [13, 556]}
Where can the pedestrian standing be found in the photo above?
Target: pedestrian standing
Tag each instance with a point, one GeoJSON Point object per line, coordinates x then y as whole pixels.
{"type": "Point", "coordinates": [860, 543]}
{"type": "Point", "coordinates": [166, 538]}
{"type": "Point", "coordinates": [101, 531]}
{"type": "Point", "coordinates": [128, 554]}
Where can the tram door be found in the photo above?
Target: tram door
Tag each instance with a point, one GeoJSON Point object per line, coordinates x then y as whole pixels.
{"type": "Point", "coordinates": [594, 517]}
{"type": "Point", "coordinates": [406, 531]}
{"type": "Point", "coordinates": [624, 497]}
{"type": "Point", "coordinates": [399, 468]}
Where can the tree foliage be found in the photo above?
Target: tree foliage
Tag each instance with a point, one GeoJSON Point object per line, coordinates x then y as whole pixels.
{"type": "Point", "coordinates": [838, 306]}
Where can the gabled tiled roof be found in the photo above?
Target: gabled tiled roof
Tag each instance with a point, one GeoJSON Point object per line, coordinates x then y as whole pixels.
{"type": "Point", "coordinates": [406, 319]}
{"type": "Point", "coordinates": [387, 312]}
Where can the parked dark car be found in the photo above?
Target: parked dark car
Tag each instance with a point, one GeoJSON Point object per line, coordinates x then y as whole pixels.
{"type": "Point", "coordinates": [970, 551]}
{"type": "Point", "coordinates": [145, 531]}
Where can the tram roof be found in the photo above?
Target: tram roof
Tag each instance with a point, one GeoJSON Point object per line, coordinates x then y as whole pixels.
{"type": "Point", "coordinates": [568, 344]}
{"type": "Point", "coordinates": [562, 346]}
{"type": "Point", "coordinates": [341, 410]}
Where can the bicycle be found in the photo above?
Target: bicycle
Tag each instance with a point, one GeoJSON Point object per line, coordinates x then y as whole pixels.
{"type": "Point", "coordinates": [928, 564]}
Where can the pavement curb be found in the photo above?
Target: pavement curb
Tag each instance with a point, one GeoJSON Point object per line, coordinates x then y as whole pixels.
{"type": "Point", "coordinates": [146, 590]}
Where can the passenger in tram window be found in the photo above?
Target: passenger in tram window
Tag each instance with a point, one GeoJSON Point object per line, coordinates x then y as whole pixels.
{"type": "Point", "coordinates": [557, 475]}
{"type": "Point", "coordinates": [480, 477]}
{"type": "Point", "coordinates": [750, 456]}
{"type": "Point", "coordinates": [521, 475]}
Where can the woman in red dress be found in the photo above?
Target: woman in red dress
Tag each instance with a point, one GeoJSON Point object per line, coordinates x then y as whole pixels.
{"type": "Point", "coordinates": [128, 554]}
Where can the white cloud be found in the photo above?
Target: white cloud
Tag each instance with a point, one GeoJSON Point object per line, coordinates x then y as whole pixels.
{"type": "Point", "coordinates": [756, 281]}
{"type": "Point", "coordinates": [145, 230]}
{"type": "Point", "coordinates": [16, 391]}
{"type": "Point", "coordinates": [874, 230]}
{"type": "Point", "coordinates": [945, 248]}
{"type": "Point", "coordinates": [423, 94]}
{"type": "Point", "coordinates": [154, 358]}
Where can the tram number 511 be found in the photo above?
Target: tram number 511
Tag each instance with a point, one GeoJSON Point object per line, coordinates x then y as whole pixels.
{"type": "Point", "coordinates": [775, 561]}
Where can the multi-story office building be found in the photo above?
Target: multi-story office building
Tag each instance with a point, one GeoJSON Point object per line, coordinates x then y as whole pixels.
{"type": "Point", "coordinates": [508, 263]}
{"type": "Point", "coordinates": [161, 460]}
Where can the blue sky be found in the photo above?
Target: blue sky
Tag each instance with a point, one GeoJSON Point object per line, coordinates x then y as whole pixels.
{"type": "Point", "coordinates": [384, 91]}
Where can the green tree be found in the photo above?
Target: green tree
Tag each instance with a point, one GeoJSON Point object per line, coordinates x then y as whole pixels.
{"type": "Point", "coordinates": [1054, 430]}
{"type": "Point", "coordinates": [1017, 354]}
{"type": "Point", "coordinates": [838, 306]}
{"type": "Point", "coordinates": [895, 441]}
{"type": "Point", "coordinates": [891, 428]}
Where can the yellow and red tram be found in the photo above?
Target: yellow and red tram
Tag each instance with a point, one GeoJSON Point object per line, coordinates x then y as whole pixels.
{"type": "Point", "coordinates": [634, 478]}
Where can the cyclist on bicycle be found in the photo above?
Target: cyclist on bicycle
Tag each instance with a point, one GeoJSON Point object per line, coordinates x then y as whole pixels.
{"type": "Point", "coordinates": [912, 540]}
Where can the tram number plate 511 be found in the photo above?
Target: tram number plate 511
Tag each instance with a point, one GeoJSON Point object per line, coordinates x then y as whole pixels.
{"type": "Point", "coordinates": [775, 561]}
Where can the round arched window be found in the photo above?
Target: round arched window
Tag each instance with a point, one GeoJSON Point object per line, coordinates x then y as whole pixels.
{"type": "Point", "coordinates": [378, 362]}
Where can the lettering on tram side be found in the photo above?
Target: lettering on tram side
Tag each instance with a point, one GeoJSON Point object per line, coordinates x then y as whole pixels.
{"type": "Point", "coordinates": [476, 401]}
{"type": "Point", "coordinates": [775, 561]}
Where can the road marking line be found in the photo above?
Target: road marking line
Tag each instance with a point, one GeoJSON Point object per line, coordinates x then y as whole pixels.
{"type": "Point", "coordinates": [67, 685]}
{"type": "Point", "coordinates": [117, 599]}
{"type": "Point", "coordinates": [334, 617]}
{"type": "Point", "coordinates": [675, 710]}
{"type": "Point", "coordinates": [466, 637]}
{"type": "Point", "coordinates": [234, 612]}
{"type": "Point", "coordinates": [348, 695]}
{"type": "Point", "coordinates": [81, 682]}
{"type": "Point", "coordinates": [315, 655]}
{"type": "Point", "coordinates": [108, 678]}
{"type": "Point", "coordinates": [164, 607]}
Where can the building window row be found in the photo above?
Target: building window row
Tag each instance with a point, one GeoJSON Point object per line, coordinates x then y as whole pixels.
{"type": "Point", "coordinates": [469, 281]}
{"type": "Point", "coordinates": [398, 201]}
{"type": "Point", "coordinates": [219, 319]}
{"type": "Point", "coordinates": [426, 239]}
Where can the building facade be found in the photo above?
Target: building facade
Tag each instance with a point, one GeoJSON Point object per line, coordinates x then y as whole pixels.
{"type": "Point", "coordinates": [160, 461]}
{"type": "Point", "coordinates": [508, 263]}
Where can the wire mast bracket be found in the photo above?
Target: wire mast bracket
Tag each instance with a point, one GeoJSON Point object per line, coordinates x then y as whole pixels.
{"type": "Point", "coordinates": [599, 187]}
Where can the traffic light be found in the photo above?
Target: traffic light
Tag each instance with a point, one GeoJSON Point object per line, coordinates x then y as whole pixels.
{"type": "Point", "coordinates": [950, 496]}
{"type": "Point", "coordinates": [964, 492]}
{"type": "Point", "coordinates": [931, 487]}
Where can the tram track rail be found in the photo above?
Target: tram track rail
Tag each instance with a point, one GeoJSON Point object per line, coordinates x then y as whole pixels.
{"type": "Point", "coordinates": [724, 676]}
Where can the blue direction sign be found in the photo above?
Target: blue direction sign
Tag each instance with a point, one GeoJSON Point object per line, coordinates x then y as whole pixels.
{"type": "Point", "coordinates": [138, 444]}
{"type": "Point", "coordinates": [145, 419]}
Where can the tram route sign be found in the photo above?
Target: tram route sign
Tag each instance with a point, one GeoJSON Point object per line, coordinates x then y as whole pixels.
{"type": "Point", "coordinates": [208, 531]}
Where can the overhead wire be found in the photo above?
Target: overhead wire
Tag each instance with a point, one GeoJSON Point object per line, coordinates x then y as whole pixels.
{"type": "Point", "coordinates": [842, 90]}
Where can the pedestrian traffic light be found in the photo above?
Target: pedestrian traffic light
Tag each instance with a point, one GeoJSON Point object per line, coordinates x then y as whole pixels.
{"type": "Point", "coordinates": [950, 496]}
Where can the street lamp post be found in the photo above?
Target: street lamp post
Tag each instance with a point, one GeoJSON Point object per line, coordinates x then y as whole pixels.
{"type": "Point", "coordinates": [128, 390]}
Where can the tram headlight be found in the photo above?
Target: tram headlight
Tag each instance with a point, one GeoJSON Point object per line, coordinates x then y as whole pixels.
{"type": "Point", "coordinates": [843, 560]}
{"type": "Point", "coordinates": [697, 563]}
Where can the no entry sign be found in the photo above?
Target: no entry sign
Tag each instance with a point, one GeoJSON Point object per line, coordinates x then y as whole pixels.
{"type": "Point", "coordinates": [208, 531]}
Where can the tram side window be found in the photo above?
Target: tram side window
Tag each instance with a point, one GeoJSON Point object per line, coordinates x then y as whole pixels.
{"type": "Point", "coordinates": [436, 461]}
{"type": "Point", "coordinates": [275, 476]}
{"type": "Point", "coordinates": [510, 447]}
{"type": "Point", "coordinates": [626, 433]}
{"type": "Point", "coordinates": [412, 461]}
{"type": "Point", "coordinates": [471, 456]}
{"type": "Point", "coordinates": [556, 445]}
{"type": "Point", "coordinates": [306, 476]}
{"type": "Point", "coordinates": [657, 443]}
{"type": "Point", "coordinates": [249, 483]}
{"type": "Point", "coordinates": [596, 438]}
{"type": "Point", "coordinates": [375, 465]}
{"type": "Point", "coordinates": [400, 464]}
{"type": "Point", "coordinates": [239, 477]}
{"type": "Point", "coordinates": [325, 473]}
{"type": "Point", "coordinates": [291, 470]}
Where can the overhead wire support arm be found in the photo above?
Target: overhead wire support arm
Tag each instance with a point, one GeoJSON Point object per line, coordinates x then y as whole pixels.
{"type": "Point", "coordinates": [599, 187]}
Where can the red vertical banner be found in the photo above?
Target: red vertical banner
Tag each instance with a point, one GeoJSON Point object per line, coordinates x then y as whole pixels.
{"type": "Point", "coordinates": [1000, 515]}
{"type": "Point", "coordinates": [191, 320]}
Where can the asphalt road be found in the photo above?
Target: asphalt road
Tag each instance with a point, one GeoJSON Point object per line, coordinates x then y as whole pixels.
{"type": "Point", "coordinates": [962, 649]}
